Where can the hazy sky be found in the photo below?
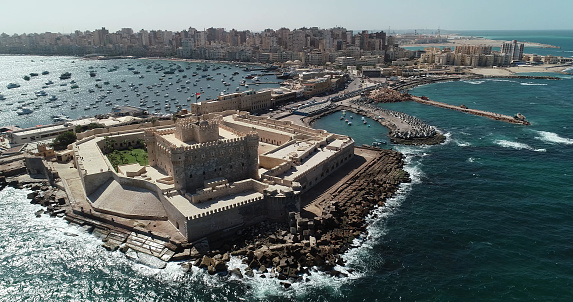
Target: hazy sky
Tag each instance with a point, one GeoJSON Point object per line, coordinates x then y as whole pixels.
{"type": "Point", "coordinates": [17, 16]}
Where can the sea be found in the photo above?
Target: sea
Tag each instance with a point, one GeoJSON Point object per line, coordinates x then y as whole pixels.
{"type": "Point", "coordinates": [96, 86]}
{"type": "Point", "coordinates": [486, 217]}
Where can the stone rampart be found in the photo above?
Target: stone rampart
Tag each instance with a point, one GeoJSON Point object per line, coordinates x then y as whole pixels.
{"type": "Point", "coordinates": [226, 190]}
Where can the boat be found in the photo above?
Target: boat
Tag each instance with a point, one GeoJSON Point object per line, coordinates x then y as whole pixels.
{"type": "Point", "coordinates": [60, 118]}
{"type": "Point", "coordinates": [50, 82]}
{"type": "Point", "coordinates": [27, 78]}
{"type": "Point", "coordinates": [33, 74]}
{"type": "Point", "coordinates": [2, 97]}
{"type": "Point", "coordinates": [75, 86]}
{"type": "Point", "coordinates": [284, 76]}
{"type": "Point", "coordinates": [40, 93]}
{"type": "Point", "coordinates": [24, 110]}
{"type": "Point", "coordinates": [349, 123]}
{"type": "Point", "coordinates": [12, 85]}
{"type": "Point", "coordinates": [92, 74]}
{"type": "Point", "coordinates": [65, 76]}
{"type": "Point", "coordinates": [45, 72]}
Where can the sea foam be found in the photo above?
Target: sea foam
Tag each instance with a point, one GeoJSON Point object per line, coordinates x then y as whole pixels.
{"type": "Point", "coordinates": [533, 84]}
{"type": "Point", "coordinates": [516, 145]}
{"type": "Point", "coordinates": [553, 138]}
{"type": "Point", "coordinates": [474, 82]}
{"type": "Point", "coordinates": [359, 256]}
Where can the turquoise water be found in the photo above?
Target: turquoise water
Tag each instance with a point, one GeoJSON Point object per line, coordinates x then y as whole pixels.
{"type": "Point", "coordinates": [360, 132]}
{"type": "Point", "coordinates": [487, 217]}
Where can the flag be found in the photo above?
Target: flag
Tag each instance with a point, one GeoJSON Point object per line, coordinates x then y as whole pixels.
{"type": "Point", "coordinates": [197, 95]}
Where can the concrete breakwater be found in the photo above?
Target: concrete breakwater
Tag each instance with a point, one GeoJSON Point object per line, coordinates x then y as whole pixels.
{"type": "Point", "coordinates": [404, 129]}
{"type": "Point", "coordinates": [518, 119]}
{"type": "Point", "coordinates": [312, 239]}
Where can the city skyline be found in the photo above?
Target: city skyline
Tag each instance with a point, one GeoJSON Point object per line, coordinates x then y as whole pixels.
{"type": "Point", "coordinates": [65, 16]}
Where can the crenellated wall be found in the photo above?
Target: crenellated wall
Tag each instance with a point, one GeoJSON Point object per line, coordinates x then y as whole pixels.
{"type": "Point", "coordinates": [246, 213]}
{"type": "Point", "coordinates": [234, 159]}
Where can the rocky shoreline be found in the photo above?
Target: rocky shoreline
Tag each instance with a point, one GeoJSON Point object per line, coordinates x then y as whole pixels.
{"type": "Point", "coordinates": [306, 244]}
{"type": "Point", "coordinates": [287, 251]}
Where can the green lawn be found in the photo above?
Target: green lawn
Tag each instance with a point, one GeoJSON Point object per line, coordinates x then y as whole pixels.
{"type": "Point", "coordinates": [128, 157]}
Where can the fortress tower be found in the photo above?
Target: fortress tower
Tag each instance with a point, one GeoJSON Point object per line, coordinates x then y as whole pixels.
{"type": "Point", "coordinates": [193, 129]}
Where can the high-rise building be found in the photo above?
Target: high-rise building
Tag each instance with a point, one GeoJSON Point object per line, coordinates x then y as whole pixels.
{"type": "Point", "coordinates": [514, 50]}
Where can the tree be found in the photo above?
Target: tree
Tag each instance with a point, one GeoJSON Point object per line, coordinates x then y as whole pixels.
{"type": "Point", "coordinates": [64, 139]}
{"type": "Point", "coordinates": [109, 145]}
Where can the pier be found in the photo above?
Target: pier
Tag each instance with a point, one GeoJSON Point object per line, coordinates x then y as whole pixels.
{"type": "Point", "coordinates": [463, 108]}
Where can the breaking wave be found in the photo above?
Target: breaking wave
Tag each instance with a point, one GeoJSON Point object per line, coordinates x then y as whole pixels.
{"type": "Point", "coordinates": [474, 82]}
{"type": "Point", "coordinates": [553, 138]}
{"type": "Point", "coordinates": [533, 84]}
{"type": "Point", "coordinates": [516, 145]}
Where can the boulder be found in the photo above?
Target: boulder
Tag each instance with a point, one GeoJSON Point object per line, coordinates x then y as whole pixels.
{"type": "Point", "coordinates": [220, 266]}
{"type": "Point", "coordinates": [236, 272]}
{"type": "Point", "coordinates": [206, 261]}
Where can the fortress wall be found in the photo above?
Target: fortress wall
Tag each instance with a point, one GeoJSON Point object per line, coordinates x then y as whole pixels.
{"type": "Point", "coordinates": [313, 176]}
{"type": "Point", "coordinates": [277, 208]}
{"type": "Point", "coordinates": [276, 180]}
{"type": "Point", "coordinates": [123, 141]}
{"type": "Point", "coordinates": [248, 213]}
{"type": "Point", "coordinates": [93, 181]}
{"type": "Point", "coordinates": [140, 126]}
{"type": "Point", "coordinates": [264, 135]}
{"type": "Point", "coordinates": [161, 151]}
{"type": "Point", "coordinates": [268, 162]}
{"type": "Point", "coordinates": [280, 169]}
{"type": "Point", "coordinates": [232, 189]}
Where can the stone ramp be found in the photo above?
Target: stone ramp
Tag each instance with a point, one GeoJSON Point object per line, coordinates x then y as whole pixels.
{"type": "Point", "coordinates": [127, 201]}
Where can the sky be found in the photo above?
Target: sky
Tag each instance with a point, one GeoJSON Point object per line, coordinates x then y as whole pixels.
{"type": "Point", "coordinates": [65, 16]}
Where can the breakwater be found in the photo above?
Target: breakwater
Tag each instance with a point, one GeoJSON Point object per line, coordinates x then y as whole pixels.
{"type": "Point", "coordinates": [289, 251]}
{"type": "Point", "coordinates": [518, 119]}
{"type": "Point", "coordinates": [404, 129]}
{"type": "Point", "coordinates": [411, 83]}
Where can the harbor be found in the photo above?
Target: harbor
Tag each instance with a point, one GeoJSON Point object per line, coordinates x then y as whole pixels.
{"type": "Point", "coordinates": [75, 87]}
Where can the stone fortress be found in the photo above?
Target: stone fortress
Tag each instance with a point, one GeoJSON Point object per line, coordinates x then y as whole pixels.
{"type": "Point", "coordinates": [209, 175]}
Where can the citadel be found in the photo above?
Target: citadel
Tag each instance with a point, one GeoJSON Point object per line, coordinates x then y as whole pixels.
{"type": "Point", "coordinates": [208, 174]}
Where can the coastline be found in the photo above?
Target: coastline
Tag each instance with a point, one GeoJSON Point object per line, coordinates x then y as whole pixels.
{"type": "Point", "coordinates": [516, 70]}
{"type": "Point", "coordinates": [464, 40]}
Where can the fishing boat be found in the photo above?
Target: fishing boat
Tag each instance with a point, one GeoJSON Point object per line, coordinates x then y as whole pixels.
{"type": "Point", "coordinates": [24, 111]}
{"type": "Point", "coordinates": [65, 76]}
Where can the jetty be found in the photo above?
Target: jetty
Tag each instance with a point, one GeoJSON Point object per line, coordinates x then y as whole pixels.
{"type": "Point", "coordinates": [518, 119]}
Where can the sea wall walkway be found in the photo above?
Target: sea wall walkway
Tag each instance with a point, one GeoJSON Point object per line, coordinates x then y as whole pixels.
{"type": "Point", "coordinates": [518, 119]}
